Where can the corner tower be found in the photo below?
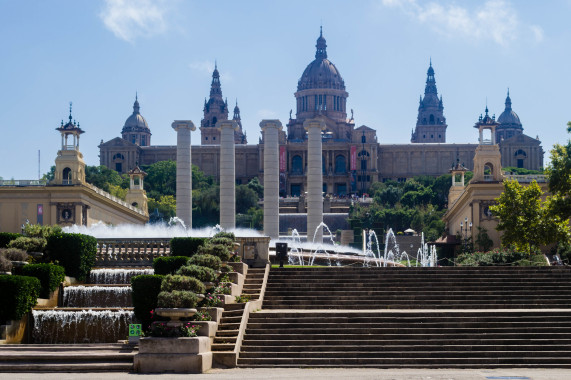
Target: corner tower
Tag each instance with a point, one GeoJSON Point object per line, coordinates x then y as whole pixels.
{"type": "Point", "coordinates": [431, 123]}
{"type": "Point", "coordinates": [215, 110]}
{"type": "Point", "coordinates": [70, 167]}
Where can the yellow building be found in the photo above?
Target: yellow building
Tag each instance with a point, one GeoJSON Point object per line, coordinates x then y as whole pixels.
{"type": "Point", "coordinates": [68, 199]}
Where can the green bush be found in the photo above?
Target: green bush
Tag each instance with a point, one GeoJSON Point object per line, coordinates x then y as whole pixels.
{"type": "Point", "coordinates": [498, 257]}
{"type": "Point", "coordinates": [204, 274]}
{"type": "Point", "coordinates": [177, 299]}
{"type": "Point", "coordinates": [169, 264]}
{"type": "Point", "coordinates": [36, 230]}
{"type": "Point", "coordinates": [222, 240]}
{"type": "Point", "coordinates": [171, 283]}
{"type": "Point", "coordinates": [50, 276]}
{"type": "Point", "coordinates": [14, 254]}
{"type": "Point", "coordinates": [218, 250]}
{"type": "Point", "coordinates": [224, 234]}
{"type": "Point", "coordinates": [5, 264]}
{"type": "Point", "coordinates": [75, 252]}
{"type": "Point", "coordinates": [208, 261]}
{"type": "Point", "coordinates": [7, 237]}
{"type": "Point", "coordinates": [186, 246]}
{"type": "Point", "coordinates": [18, 295]}
{"type": "Point", "coordinates": [29, 244]}
{"type": "Point", "coordinates": [146, 289]}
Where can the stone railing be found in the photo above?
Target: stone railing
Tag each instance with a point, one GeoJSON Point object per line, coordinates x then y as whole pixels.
{"type": "Point", "coordinates": [23, 182]}
{"type": "Point", "coordinates": [114, 198]}
{"type": "Point", "coordinates": [539, 178]}
{"type": "Point", "coordinates": [128, 252]}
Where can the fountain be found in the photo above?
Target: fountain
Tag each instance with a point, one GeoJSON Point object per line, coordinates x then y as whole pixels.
{"type": "Point", "coordinates": [318, 234]}
{"type": "Point", "coordinates": [97, 296]}
{"type": "Point", "coordinates": [295, 251]}
{"type": "Point", "coordinates": [426, 256]}
{"type": "Point", "coordinates": [116, 276]}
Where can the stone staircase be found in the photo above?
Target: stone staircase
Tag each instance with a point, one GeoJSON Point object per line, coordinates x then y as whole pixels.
{"type": "Point", "coordinates": [67, 358]}
{"type": "Point", "coordinates": [229, 326]}
{"type": "Point", "coordinates": [412, 317]}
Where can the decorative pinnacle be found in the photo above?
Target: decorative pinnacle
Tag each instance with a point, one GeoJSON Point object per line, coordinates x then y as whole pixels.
{"type": "Point", "coordinates": [70, 104]}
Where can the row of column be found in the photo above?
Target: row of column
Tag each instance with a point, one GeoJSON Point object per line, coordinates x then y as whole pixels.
{"type": "Point", "coordinates": [271, 129]}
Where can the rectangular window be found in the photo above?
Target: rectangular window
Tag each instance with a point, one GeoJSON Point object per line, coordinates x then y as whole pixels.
{"type": "Point", "coordinates": [316, 105]}
{"type": "Point", "coordinates": [325, 102]}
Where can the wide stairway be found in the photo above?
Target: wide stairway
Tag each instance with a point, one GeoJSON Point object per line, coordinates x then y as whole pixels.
{"type": "Point", "coordinates": [412, 317]}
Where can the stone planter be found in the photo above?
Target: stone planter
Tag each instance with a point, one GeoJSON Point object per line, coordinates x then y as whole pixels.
{"type": "Point", "coordinates": [239, 267]}
{"type": "Point", "coordinates": [175, 314]}
{"type": "Point", "coordinates": [174, 355]}
{"type": "Point", "coordinates": [215, 313]}
{"type": "Point", "coordinates": [18, 264]}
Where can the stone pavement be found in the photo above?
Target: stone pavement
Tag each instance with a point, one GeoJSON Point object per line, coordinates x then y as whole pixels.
{"type": "Point", "coordinates": [314, 374]}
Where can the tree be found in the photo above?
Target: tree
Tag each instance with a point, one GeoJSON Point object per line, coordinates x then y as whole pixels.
{"type": "Point", "coordinates": [161, 209]}
{"type": "Point", "coordinates": [102, 177]}
{"type": "Point", "coordinates": [525, 222]}
{"type": "Point", "coordinates": [160, 179]}
{"type": "Point", "coordinates": [255, 185]}
{"type": "Point", "coordinates": [559, 172]}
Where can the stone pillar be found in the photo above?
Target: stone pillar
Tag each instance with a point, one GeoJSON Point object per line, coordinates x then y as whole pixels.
{"type": "Point", "coordinates": [271, 130]}
{"type": "Point", "coordinates": [227, 174]}
{"type": "Point", "coordinates": [314, 178]}
{"type": "Point", "coordinates": [183, 171]}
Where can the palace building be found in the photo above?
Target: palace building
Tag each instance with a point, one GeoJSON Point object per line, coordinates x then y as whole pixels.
{"type": "Point", "coordinates": [353, 156]}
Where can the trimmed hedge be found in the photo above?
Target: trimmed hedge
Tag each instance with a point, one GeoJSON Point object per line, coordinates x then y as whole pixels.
{"type": "Point", "coordinates": [14, 254]}
{"type": "Point", "coordinates": [146, 289]}
{"type": "Point", "coordinates": [222, 240]}
{"type": "Point", "coordinates": [29, 244]}
{"type": "Point", "coordinates": [177, 282]}
{"type": "Point", "coordinates": [169, 264]}
{"type": "Point", "coordinates": [186, 246]}
{"type": "Point", "coordinates": [177, 298]}
{"type": "Point", "coordinates": [6, 237]}
{"type": "Point", "coordinates": [5, 264]}
{"type": "Point", "coordinates": [50, 276]}
{"type": "Point", "coordinates": [204, 274]}
{"type": "Point", "coordinates": [218, 250]}
{"type": "Point", "coordinates": [208, 261]}
{"type": "Point", "coordinates": [224, 234]}
{"type": "Point", "coordinates": [18, 295]}
{"type": "Point", "coordinates": [75, 252]}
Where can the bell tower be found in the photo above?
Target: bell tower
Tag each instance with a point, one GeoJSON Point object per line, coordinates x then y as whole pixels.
{"type": "Point", "coordinates": [136, 196]}
{"type": "Point", "coordinates": [70, 167]}
{"type": "Point", "coordinates": [431, 123]}
{"type": "Point", "coordinates": [215, 110]}
{"type": "Point", "coordinates": [487, 160]}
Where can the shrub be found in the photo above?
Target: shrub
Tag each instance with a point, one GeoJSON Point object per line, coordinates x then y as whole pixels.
{"type": "Point", "coordinates": [177, 299]}
{"type": "Point", "coordinates": [36, 230]}
{"type": "Point", "coordinates": [186, 246]}
{"type": "Point", "coordinates": [29, 244]}
{"type": "Point", "coordinates": [218, 250]}
{"type": "Point", "coordinates": [75, 252]}
{"type": "Point", "coordinates": [211, 300]}
{"type": "Point", "coordinates": [204, 274]}
{"type": "Point", "coordinates": [5, 264]}
{"type": "Point", "coordinates": [7, 237]}
{"type": "Point", "coordinates": [18, 295]}
{"type": "Point", "coordinates": [163, 330]}
{"type": "Point", "coordinates": [208, 261]}
{"type": "Point", "coordinates": [146, 289]}
{"type": "Point", "coordinates": [222, 240]}
{"type": "Point", "coordinates": [50, 276]}
{"type": "Point", "coordinates": [169, 264]}
{"type": "Point", "coordinates": [224, 268]}
{"type": "Point", "coordinates": [497, 257]}
{"type": "Point", "coordinates": [14, 254]}
{"type": "Point", "coordinates": [202, 315]}
{"type": "Point", "coordinates": [224, 234]}
{"type": "Point", "coordinates": [171, 283]}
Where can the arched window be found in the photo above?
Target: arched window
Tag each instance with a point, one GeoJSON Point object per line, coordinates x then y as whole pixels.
{"type": "Point", "coordinates": [118, 156]}
{"type": "Point", "coordinates": [296, 165]}
{"type": "Point", "coordinates": [431, 119]}
{"type": "Point", "coordinates": [66, 176]}
{"type": "Point", "coordinates": [340, 164]}
{"type": "Point", "coordinates": [488, 172]}
{"type": "Point", "coordinates": [520, 152]}
{"type": "Point", "coordinates": [214, 120]}
{"type": "Point", "coordinates": [520, 157]}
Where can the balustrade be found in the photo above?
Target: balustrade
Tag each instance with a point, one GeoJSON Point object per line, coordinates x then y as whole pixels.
{"type": "Point", "coordinates": [128, 252]}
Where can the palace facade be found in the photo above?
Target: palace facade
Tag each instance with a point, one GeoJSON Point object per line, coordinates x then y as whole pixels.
{"type": "Point", "coordinates": [353, 157]}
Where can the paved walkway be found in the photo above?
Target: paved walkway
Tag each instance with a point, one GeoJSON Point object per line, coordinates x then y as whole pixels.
{"type": "Point", "coordinates": [328, 374]}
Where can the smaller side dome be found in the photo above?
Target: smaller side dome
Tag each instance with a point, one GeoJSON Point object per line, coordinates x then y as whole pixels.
{"type": "Point", "coordinates": [508, 118]}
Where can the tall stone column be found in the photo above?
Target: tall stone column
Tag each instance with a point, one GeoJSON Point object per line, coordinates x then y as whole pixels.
{"type": "Point", "coordinates": [183, 171]}
{"type": "Point", "coordinates": [271, 129]}
{"type": "Point", "coordinates": [227, 174]}
{"type": "Point", "coordinates": [314, 178]}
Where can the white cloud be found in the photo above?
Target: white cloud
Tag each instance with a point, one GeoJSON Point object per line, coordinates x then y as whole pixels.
{"type": "Point", "coordinates": [129, 19]}
{"type": "Point", "coordinates": [537, 32]}
{"type": "Point", "coordinates": [495, 20]}
{"type": "Point", "coordinates": [266, 114]}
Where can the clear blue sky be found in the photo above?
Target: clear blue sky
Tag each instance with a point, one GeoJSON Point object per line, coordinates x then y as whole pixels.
{"type": "Point", "coordinates": [99, 53]}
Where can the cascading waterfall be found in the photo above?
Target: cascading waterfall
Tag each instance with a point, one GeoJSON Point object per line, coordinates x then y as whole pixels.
{"type": "Point", "coordinates": [116, 276]}
{"type": "Point", "coordinates": [85, 326]}
{"type": "Point", "coordinates": [97, 296]}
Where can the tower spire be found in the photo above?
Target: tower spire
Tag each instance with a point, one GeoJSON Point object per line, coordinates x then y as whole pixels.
{"type": "Point", "coordinates": [321, 46]}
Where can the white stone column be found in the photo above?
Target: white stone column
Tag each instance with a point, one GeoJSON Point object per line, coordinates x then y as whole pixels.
{"type": "Point", "coordinates": [183, 170]}
{"type": "Point", "coordinates": [271, 130]}
{"type": "Point", "coordinates": [314, 178]}
{"type": "Point", "coordinates": [227, 174]}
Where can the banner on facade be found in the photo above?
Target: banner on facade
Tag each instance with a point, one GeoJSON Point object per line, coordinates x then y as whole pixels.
{"type": "Point", "coordinates": [353, 157]}
{"type": "Point", "coordinates": [40, 214]}
{"type": "Point", "coordinates": [282, 159]}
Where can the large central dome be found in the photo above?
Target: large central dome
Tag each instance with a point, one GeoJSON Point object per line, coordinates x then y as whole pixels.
{"type": "Point", "coordinates": [321, 73]}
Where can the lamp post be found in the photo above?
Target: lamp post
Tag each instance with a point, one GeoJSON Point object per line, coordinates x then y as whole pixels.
{"type": "Point", "coordinates": [465, 228]}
